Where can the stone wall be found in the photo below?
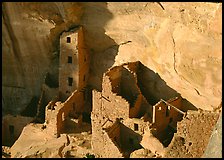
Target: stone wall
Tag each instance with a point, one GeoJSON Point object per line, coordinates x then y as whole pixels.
{"type": "Point", "coordinates": [57, 113]}
{"type": "Point", "coordinates": [114, 75]}
{"type": "Point", "coordinates": [51, 118]}
{"type": "Point", "coordinates": [164, 115]}
{"type": "Point", "coordinates": [137, 125]}
{"type": "Point", "coordinates": [101, 140]}
{"type": "Point", "coordinates": [83, 60]}
{"type": "Point", "coordinates": [193, 134]}
{"type": "Point", "coordinates": [134, 111]}
{"type": "Point", "coordinates": [112, 101]}
{"type": "Point", "coordinates": [68, 50]}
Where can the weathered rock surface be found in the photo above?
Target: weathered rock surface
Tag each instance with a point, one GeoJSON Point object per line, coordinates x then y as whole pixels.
{"type": "Point", "coordinates": [34, 143]}
{"type": "Point", "coordinates": [214, 148]}
{"type": "Point", "coordinates": [181, 42]}
{"type": "Point", "coordinates": [152, 143]}
{"type": "Point", "coordinates": [193, 134]}
{"type": "Point", "coordinates": [30, 48]}
{"type": "Point", "coordinates": [142, 153]}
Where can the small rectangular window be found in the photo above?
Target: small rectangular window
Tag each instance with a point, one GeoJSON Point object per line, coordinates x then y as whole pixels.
{"type": "Point", "coordinates": [69, 59]}
{"type": "Point", "coordinates": [135, 127]}
{"type": "Point", "coordinates": [70, 81]}
{"type": "Point", "coordinates": [68, 39]}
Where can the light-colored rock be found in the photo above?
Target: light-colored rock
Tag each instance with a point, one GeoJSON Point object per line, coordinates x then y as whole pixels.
{"type": "Point", "coordinates": [152, 143]}
{"type": "Point", "coordinates": [182, 43]}
{"type": "Point", "coordinates": [34, 143]}
{"type": "Point", "coordinates": [214, 147]}
{"type": "Point", "coordinates": [142, 153]}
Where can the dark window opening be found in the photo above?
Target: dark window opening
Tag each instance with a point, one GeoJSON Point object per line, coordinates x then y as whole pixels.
{"type": "Point", "coordinates": [135, 127]}
{"type": "Point", "coordinates": [69, 59]}
{"type": "Point", "coordinates": [68, 39]}
{"type": "Point", "coordinates": [84, 58]}
{"type": "Point", "coordinates": [11, 129]}
{"type": "Point", "coordinates": [167, 112]}
{"type": "Point", "coordinates": [70, 81]}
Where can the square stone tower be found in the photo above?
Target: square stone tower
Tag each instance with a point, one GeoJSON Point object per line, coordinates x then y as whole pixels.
{"type": "Point", "coordinates": [73, 63]}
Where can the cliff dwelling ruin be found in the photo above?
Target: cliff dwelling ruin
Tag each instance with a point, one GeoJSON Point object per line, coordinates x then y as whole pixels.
{"type": "Point", "coordinates": [127, 111]}
{"type": "Point", "coordinates": [135, 112]}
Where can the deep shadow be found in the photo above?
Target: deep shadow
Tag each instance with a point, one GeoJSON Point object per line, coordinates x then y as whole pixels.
{"type": "Point", "coordinates": [51, 80]}
{"type": "Point", "coordinates": [102, 48]}
{"type": "Point", "coordinates": [128, 90]}
{"type": "Point", "coordinates": [129, 140]}
{"type": "Point", "coordinates": [31, 109]}
{"type": "Point", "coordinates": [72, 126]}
{"type": "Point", "coordinates": [154, 88]}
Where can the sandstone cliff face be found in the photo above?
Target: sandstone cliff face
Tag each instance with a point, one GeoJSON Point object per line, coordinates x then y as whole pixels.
{"type": "Point", "coordinates": [30, 48]}
{"type": "Point", "coordinates": [181, 42]}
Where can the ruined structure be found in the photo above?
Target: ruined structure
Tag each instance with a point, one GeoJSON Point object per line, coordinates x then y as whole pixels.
{"type": "Point", "coordinates": [123, 112]}
{"type": "Point", "coordinates": [73, 89]}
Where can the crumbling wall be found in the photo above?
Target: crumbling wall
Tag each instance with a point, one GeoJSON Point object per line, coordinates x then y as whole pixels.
{"type": "Point", "coordinates": [137, 125]}
{"type": "Point", "coordinates": [75, 103]}
{"type": "Point", "coordinates": [57, 113]}
{"type": "Point", "coordinates": [114, 75]}
{"type": "Point", "coordinates": [111, 101]}
{"type": "Point", "coordinates": [128, 87]}
{"type": "Point", "coordinates": [193, 134]}
{"type": "Point", "coordinates": [101, 141]}
{"type": "Point", "coordinates": [51, 118]}
{"type": "Point", "coordinates": [12, 127]}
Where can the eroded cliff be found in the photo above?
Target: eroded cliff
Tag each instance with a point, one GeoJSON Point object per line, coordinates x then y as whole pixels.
{"type": "Point", "coordinates": [179, 41]}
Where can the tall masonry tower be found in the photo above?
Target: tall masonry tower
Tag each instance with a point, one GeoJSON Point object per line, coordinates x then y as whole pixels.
{"type": "Point", "coordinates": [73, 63]}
